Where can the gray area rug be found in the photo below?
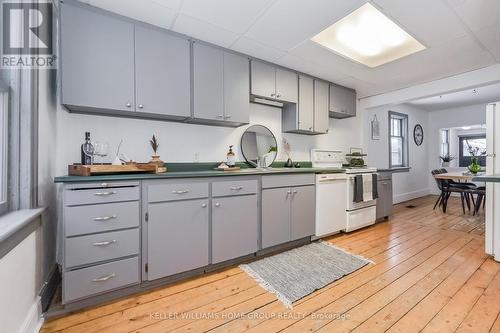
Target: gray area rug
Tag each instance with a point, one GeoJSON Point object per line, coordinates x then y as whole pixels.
{"type": "Point", "coordinates": [294, 274]}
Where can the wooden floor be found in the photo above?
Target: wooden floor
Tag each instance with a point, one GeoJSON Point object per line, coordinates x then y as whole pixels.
{"type": "Point", "coordinates": [429, 274]}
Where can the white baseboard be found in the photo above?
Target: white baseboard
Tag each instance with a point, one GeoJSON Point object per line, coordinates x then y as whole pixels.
{"type": "Point", "coordinates": [33, 321]}
{"type": "Point", "coordinates": [410, 195]}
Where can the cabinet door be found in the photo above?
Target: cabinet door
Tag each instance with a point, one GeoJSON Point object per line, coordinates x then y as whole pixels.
{"type": "Point", "coordinates": [208, 73]}
{"type": "Point", "coordinates": [161, 73]}
{"type": "Point", "coordinates": [177, 237]}
{"type": "Point", "coordinates": [263, 79]}
{"type": "Point", "coordinates": [287, 86]}
{"type": "Point", "coordinates": [306, 103]}
{"type": "Point", "coordinates": [97, 53]}
{"type": "Point", "coordinates": [350, 102]}
{"type": "Point", "coordinates": [234, 227]}
{"type": "Point", "coordinates": [303, 212]}
{"type": "Point", "coordinates": [342, 100]}
{"type": "Point", "coordinates": [236, 88]}
{"type": "Point", "coordinates": [384, 200]}
{"type": "Point", "coordinates": [321, 118]}
{"type": "Point", "coordinates": [275, 216]}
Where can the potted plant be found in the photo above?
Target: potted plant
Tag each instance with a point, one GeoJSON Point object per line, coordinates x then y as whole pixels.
{"type": "Point", "coordinates": [474, 167]}
{"type": "Point", "coordinates": [446, 159]}
{"type": "Point", "coordinates": [155, 159]}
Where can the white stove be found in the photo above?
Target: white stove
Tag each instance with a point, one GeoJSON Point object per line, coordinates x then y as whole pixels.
{"type": "Point", "coordinates": [335, 207]}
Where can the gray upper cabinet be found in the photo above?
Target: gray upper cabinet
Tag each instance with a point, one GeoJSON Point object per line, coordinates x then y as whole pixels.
{"type": "Point", "coordinates": [234, 234]}
{"type": "Point", "coordinates": [178, 237]}
{"type": "Point", "coordinates": [287, 86]}
{"type": "Point", "coordinates": [220, 87]}
{"type": "Point", "coordinates": [236, 88]}
{"type": "Point", "coordinates": [303, 212]}
{"type": "Point", "coordinates": [263, 80]}
{"type": "Point", "coordinates": [162, 73]}
{"type": "Point", "coordinates": [342, 102]}
{"type": "Point", "coordinates": [270, 82]}
{"type": "Point", "coordinates": [306, 104]}
{"type": "Point", "coordinates": [208, 82]}
{"type": "Point", "coordinates": [321, 112]}
{"type": "Point", "coordinates": [97, 60]}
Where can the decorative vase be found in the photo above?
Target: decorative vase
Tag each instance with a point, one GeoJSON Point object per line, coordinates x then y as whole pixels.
{"type": "Point", "coordinates": [445, 164]}
{"type": "Point", "coordinates": [289, 163]}
{"type": "Point", "coordinates": [474, 167]}
{"type": "Point", "coordinates": [160, 165]}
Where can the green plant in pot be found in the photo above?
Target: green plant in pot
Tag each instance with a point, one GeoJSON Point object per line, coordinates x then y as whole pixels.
{"type": "Point", "coordinates": [446, 159]}
{"type": "Point", "coordinates": [474, 166]}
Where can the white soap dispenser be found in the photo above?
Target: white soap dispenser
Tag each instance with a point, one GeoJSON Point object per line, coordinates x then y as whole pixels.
{"type": "Point", "coordinates": [231, 158]}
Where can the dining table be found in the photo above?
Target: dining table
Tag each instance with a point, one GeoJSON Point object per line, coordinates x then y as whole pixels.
{"type": "Point", "coordinates": [459, 176]}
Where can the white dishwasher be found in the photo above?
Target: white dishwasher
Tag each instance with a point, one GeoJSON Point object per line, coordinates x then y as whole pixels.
{"type": "Point", "coordinates": [331, 197]}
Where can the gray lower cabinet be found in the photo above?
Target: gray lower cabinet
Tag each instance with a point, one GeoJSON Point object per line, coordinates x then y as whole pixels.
{"type": "Point", "coordinates": [162, 73]}
{"type": "Point", "coordinates": [385, 200]}
{"type": "Point", "coordinates": [220, 87]}
{"type": "Point", "coordinates": [287, 214]}
{"type": "Point", "coordinates": [342, 102]}
{"type": "Point", "coordinates": [234, 227]}
{"type": "Point", "coordinates": [97, 60]}
{"type": "Point", "coordinates": [303, 205]}
{"type": "Point", "coordinates": [275, 216]}
{"type": "Point", "coordinates": [178, 237]}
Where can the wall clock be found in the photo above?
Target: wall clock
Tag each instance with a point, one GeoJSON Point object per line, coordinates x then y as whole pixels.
{"type": "Point", "coordinates": [418, 134]}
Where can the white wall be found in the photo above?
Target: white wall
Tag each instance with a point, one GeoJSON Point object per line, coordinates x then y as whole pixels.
{"type": "Point", "coordinates": [180, 142]}
{"type": "Point", "coordinates": [448, 118]}
{"type": "Point", "coordinates": [407, 185]}
{"type": "Point", "coordinates": [20, 275]}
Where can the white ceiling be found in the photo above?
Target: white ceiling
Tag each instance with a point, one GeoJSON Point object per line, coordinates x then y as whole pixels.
{"type": "Point", "coordinates": [460, 35]}
{"type": "Point", "coordinates": [486, 94]}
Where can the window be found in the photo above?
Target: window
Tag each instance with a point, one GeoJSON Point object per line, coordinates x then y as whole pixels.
{"type": "Point", "coordinates": [477, 143]}
{"type": "Point", "coordinates": [445, 142]}
{"type": "Point", "coordinates": [398, 139]}
{"type": "Point", "coordinates": [3, 152]}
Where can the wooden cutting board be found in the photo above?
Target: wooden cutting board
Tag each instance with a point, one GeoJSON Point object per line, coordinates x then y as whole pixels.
{"type": "Point", "coordinates": [107, 169]}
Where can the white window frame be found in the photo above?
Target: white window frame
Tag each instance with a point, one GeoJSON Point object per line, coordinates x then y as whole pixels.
{"type": "Point", "coordinates": [404, 135]}
{"type": "Point", "coordinates": [445, 145]}
{"type": "Point", "coordinates": [4, 137]}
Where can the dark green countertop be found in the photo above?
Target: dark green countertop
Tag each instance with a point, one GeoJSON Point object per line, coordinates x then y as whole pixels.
{"type": "Point", "coordinates": [487, 179]}
{"type": "Point", "coordinates": [197, 170]}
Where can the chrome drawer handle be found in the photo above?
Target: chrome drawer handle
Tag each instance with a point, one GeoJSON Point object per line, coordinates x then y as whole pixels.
{"type": "Point", "coordinates": [180, 192]}
{"type": "Point", "coordinates": [105, 218]}
{"type": "Point", "coordinates": [236, 188]}
{"type": "Point", "coordinates": [104, 243]}
{"type": "Point", "coordinates": [105, 193]}
{"type": "Point", "coordinates": [104, 278]}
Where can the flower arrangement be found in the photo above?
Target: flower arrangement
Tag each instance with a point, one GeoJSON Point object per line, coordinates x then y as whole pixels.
{"type": "Point", "coordinates": [475, 152]}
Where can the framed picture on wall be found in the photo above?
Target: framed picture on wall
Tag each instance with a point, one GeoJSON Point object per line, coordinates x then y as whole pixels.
{"type": "Point", "coordinates": [375, 128]}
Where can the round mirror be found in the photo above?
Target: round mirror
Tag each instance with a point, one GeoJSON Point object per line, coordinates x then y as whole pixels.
{"type": "Point", "coordinates": [259, 146]}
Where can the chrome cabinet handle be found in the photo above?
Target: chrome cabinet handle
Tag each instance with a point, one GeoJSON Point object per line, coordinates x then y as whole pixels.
{"type": "Point", "coordinates": [217, 204]}
{"type": "Point", "coordinates": [128, 105]}
{"type": "Point", "coordinates": [105, 193]}
{"type": "Point", "coordinates": [228, 116]}
{"type": "Point", "coordinates": [180, 192]}
{"type": "Point", "coordinates": [141, 106]}
{"type": "Point", "coordinates": [204, 205]}
{"type": "Point", "coordinates": [105, 218]}
{"type": "Point", "coordinates": [104, 243]}
{"type": "Point", "coordinates": [278, 95]}
{"type": "Point", "coordinates": [273, 94]}
{"type": "Point", "coordinates": [236, 188]}
{"type": "Point", "coordinates": [220, 116]}
{"type": "Point", "coordinates": [104, 278]}
{"type": "Point", "coordinates": [294, 192]}
{"type": "Point", "coordinates": [385, 183]}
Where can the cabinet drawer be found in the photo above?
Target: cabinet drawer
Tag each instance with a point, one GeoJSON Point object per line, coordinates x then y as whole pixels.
{"type": "Point", "coordinates": [234, 187]}
{"type": "Point", "coordinates": [79, 220]}
{"type": "Point", "coordinates": [288, 180]}
{"type": "Point", "coordinates": [94, 248]}
{"type": "Point", "coordinates": [177, 191]}
{"type": "Point", "coordinates": [85, 282]}
{"type": "Point", "coordinates": [75, 197]}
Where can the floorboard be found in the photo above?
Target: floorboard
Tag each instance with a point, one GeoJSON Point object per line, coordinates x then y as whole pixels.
{"type": "Point", "coordinates": [429, 273]}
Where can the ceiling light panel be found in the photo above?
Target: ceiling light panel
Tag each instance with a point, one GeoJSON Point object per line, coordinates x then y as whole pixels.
{"type": "Point", "coordinates": [368, 37]}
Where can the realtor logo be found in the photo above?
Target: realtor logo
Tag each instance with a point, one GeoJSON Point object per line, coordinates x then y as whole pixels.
{"type": "Point", "coordinates": [27, 35]}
